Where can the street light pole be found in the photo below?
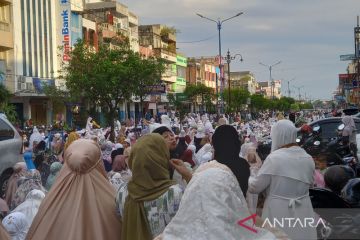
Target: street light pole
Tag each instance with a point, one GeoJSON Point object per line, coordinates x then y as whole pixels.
{"type": "Point", "coordinates": [228, 59]}
{"type": "Point", "coordinates": [288, 82]}
{"type": "Point", "coordinates": [271, 80]}
{"type": "Point", "coordinates": [219, 25]}
{"type": "Point", "coordinates": [298, 88]}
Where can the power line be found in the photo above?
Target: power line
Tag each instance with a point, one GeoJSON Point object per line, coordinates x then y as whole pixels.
{"type": "Point", "coordinates": [202, 40]}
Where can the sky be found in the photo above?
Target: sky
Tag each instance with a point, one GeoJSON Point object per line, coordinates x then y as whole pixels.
{"type": "Point", "coordinates": [307, 36]}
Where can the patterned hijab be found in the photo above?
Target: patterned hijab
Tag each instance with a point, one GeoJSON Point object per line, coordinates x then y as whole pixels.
{"type": "Point", "coordinates": [19, 171]}
{"type": "Point", "coordinates": [16, 225]}
{"type": "Point", "coordinates": [149, 163]}
{"type": "Point", "coordinates": [31, 181]}
{"type": "Point", "coordinates": [210, 209]}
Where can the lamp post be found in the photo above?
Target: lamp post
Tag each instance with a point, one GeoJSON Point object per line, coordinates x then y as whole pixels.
{"type": "Point", "coordinates": [288, 82]}
{"type": "Point", "coordinates": [271, 80]}
{"type": "Point", "coordinates": [298, 88]}
{"type": "Point", "coordinates": [219, 23]}
{"type": "Point", "coordinates": [228, 59]}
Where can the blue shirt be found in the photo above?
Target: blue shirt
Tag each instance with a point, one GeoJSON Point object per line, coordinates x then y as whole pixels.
{"type": "Point", "coordinates": [28, 160]}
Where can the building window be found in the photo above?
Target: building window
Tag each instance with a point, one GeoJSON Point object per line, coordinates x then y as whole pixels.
{"type": "Point", "coordinates": [29, 35]}
{"type": "Point", "coordinates": [181, 71]}
{"type": "Point", "coordinates": [40, 34]}
{"type": "Point", "coordinates": [35, 35]}
{"type": "Point", "coordinates": [22, 3]}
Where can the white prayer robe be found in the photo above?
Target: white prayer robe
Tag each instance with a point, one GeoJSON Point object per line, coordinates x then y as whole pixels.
{"type": "Point", "coordinates": [286, 176]}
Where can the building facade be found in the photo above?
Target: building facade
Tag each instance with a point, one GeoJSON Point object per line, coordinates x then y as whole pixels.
{"type": "Point", "coordinates": [203, 70]}
{"type": "Point", "coordinates": [7, 71]}
{"type": "Point", "coordinates": [265, 88]}
{"type": "Point", "coordinates": [115, 23]}
{"type": "Point", "coordinates": [245, 80]}
{"type": "Point", "coordinates": [181, 64]}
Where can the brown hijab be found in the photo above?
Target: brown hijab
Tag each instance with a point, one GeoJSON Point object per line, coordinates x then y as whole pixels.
{"type": "Point", "coordinates": [81, 203]}
{"type": "Point", "coordinates": [19, 171]}
{"type": "Point", "coordinates": [149, 163]}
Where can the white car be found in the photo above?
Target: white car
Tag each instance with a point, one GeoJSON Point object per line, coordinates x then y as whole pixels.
{"type": "Point", "coordinates": [10, 151]}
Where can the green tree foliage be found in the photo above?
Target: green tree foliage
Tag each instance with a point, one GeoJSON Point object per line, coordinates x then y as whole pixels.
{"type": "Point", "coordinates": [295, 107]}
{"type": "Point", "coordinates": [238, 96]}
{"type": "Point", "coordinates": [5, 106]}
{"type": "Point", "coordinates": [107, 77]}
{"type": "Point", "coordinates": [193, 91]}
{"type": "Point", "coordinates": [259, 102]}
{"type": "Point", "coordinates": [306, 105]}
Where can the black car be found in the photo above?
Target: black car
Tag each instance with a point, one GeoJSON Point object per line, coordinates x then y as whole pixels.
{"type": "Point", "coordinates": [329, 127]}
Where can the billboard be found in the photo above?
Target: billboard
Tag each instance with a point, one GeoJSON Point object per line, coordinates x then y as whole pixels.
{"type": "Point", "coordinates": [40, 83]}
{"type": "Point", "coordinates": [347, 57]}
{"type": "Point", "coordinates": [76, 27]}
{"type": "Point", "coordinates": [181, 61]}
{"type": "Point", "coordinates": [64, 16]}
{"type": "Point", "coordinates": [156, 89]}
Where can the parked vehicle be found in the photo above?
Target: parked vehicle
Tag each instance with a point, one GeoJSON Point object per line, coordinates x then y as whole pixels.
{"type": "Point", "coordinates": [329, 127]}
{"type": "Point", "coordinates": [10, 151]}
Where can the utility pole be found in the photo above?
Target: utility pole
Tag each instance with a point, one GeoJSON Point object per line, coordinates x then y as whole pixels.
{"type": "Point", "coordinates": [289, 91]}
{"type": "Point", "coordinates": [271, 80]}
{"type": "Point", "coordinates": [298, 88]}
{"type": "Point", "coordinates": [357, 56]}
{"type": "Point", "coordinates": [219, 23]}
{"type": "Point", "coordinates": [228, 59]}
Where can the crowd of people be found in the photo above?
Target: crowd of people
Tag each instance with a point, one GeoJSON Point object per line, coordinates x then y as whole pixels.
{"type": "Point", "coordinates": [190, 178]}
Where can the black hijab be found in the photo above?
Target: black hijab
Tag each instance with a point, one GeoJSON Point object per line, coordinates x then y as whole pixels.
{"type": "Point", "coordinates": [227, 145]}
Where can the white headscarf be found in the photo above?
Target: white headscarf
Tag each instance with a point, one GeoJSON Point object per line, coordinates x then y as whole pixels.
{"type": "Point", "coordinates": [244, 148]}
{"type": "Point", "coordinates": [89, 124]}
{"type": "Point", "coordinates": [35, 137]}
{"type": "Point", "coordinates": [31, 204]}
{"type": "Point", "coordinates": [16, 225]}
{"type": "Point", "coordinates": [212, 208]}
{"type": "Point", "coordinates": [165, 120]}
{"type": "Point", "coordinates": [203, 156]}
{"type": "Point", "coordinates": [282, 133]}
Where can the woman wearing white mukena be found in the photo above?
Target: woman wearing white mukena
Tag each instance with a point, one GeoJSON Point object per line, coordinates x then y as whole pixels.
{"type": "Point", "coordinates": [286, 176]}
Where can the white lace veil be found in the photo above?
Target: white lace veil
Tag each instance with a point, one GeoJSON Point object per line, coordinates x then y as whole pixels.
{"type": "Point", "coordinates": [210, 208]}
{"type": "Point", "coordinates": [31, 204]}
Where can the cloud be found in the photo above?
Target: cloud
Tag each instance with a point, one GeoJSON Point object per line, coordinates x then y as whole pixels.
{"type": "Point", "coordinates": [259, 27]}
{"type": "Point", "coordinates": [307, 36]}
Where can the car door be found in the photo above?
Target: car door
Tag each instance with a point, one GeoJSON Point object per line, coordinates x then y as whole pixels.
{"type": "Point", "coordinates": [329, 130]}
{"type": "Point", "coordinates": [10, 145]}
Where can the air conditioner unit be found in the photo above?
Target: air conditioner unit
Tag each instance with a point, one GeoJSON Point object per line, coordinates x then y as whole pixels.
{"type": "Point", "coordinates": [21, 79]}
{"type": "Point", "coordinates": [29, 86]}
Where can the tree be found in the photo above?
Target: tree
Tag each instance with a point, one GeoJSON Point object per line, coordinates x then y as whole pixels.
{"type": "Point", "coordinates": [5, 106]}
{"type": "Point", "coordinates": [147, 74]}
{"type": "Point", "coordinates": [259, 102]}
{"type": "Point", "coordinates": [193, 91]}
{"type": "Point", "coordinates": [107, 77]}
{"type": "Point", "coordinates": [238, 96]}
{"type": "Point", "coordinates": [306, 105]}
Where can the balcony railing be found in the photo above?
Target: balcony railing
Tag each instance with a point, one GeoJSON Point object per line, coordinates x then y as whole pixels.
{"type": "Point", "coordinates": [164, 54]}
{"type": "Point", "coordinates": [5, 2]}
{"type": "Point", "coordinates": [133, 19]}
{"type": "Point", "coordinates": [122, 9]}
{"type": "Point", "coordinates": [4, 26]}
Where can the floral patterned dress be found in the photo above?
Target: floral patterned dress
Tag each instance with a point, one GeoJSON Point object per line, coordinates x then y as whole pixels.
{"type": "Point", "coordinates": [159, 212]}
